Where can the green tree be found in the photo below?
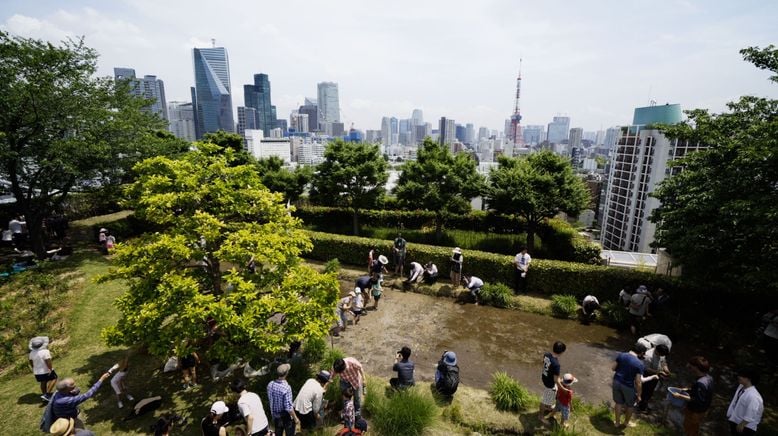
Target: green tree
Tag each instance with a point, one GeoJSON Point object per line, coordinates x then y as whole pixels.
{"type": "Point", "coordinates": [352, 175]}
{"type": "Point", "coordinates": [438, 181]}
{"type": "Point", "coordinates": [291, 183]}
{"type": "Point", "coordinates": [535, 188]}
{"type": "Point", "coordinates": [214, 219]}
{"type": "Point", "coordinates": [718, 216]}
{"type": "Point", "coordinates": [229, 140]}
{"type": "Point", "coordinates": [63, 129]}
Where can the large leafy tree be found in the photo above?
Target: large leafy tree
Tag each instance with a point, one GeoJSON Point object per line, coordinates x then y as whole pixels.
{"type": "Point", "coordinates": [535, 188]}
{"type": "Point", "coordinates": [291, 183]}
{"type": "Point", "coordinates": [439, 181]}
{"type": "Point", "coordinates": [719, 216]}
{"type": "Point", "coordinates": [352, 175]}
{"type": "Point", "coordinates": [63, 129]}
{"type": "Point", "coordinates": [215, 217]}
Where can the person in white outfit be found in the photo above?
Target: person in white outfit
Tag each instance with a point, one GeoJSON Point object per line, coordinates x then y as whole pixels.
{"type": "Point", "coordinates": [745, 410]}
{"type": "Point", "coordinates": [118, 383]}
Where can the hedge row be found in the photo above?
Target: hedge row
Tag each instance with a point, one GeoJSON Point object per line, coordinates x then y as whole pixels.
{"type": "Point", "coordinates": [546, 276]}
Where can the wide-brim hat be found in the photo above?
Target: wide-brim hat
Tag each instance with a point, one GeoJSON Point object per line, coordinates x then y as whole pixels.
{"type": "Point", "coordinates": [352, 294]}
{"type": "Point", "coordinates": [62, 426]}
{"type": "Point", "coordinates": [457, 250]}
{"type": "Point", "coordinates": [39, 343]}
{"type": "Point", "coordinates": [569, 379]}
{"type": "Point", "coordinates": [383, 259]}
{"type": "Point", "coordinates": [219, 408]}
{"type": "Point", "coordinates": [450, 358]}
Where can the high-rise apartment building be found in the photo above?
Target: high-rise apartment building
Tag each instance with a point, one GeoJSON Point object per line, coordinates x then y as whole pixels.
{"type": "Point", "coordinates": [448, 131]}
{"type": "Point", "coordinates": [469, 134]}
{"type": "Point", "coordinates": [611, 136]}
{"type": "Point", "coordinates": [534, 134]}
{"type": "Point", "coordinates": [257, 96]}
{"type": "Point", "coordinates": [642, 159]}
{"type": "Point", "coordinates": [182, 120]}
{"type": "Point", "coordinates": [247, 120]}
{"type": "Point", "coordinates": [417, 118]}
{"type": "Point", "coordinates": [149, 87]}
{"type": "Point", "coordinates": [329, 102]}
{"type": "Point", "coordinates": [212, 88]}
{"type": "Point", "coordinates": [299, 122]}
{"type": "Point", "coordinates": [575, 137]}
{"type": "Point", "coordinates": [558, 130]}
{"type": "Point", "coordinates": [483, 133]}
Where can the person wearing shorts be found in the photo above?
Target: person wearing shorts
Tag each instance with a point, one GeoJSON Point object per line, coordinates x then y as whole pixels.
{"type": "Point", "coordinates": [377, 292]}
{"type": "Point", "coordinates": [189, 370]}
{"type": "Point", "coordinates": [550, 378]}
{"type": "Point", "coordinates": [118, 383]}
{"type": "Point", "coordinates": [627, 382]}
{"type": "Point", "coordinates": [42, 369]}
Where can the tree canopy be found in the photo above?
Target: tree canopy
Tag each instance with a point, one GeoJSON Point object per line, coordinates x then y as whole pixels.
{"type": "Point", "coordinates": [535, 188]}
{"type": "Point", "coordinates": [718, 217]}
{"type": "Point", "coordinates": [352, 175]}
{"type": "Point", "coordinates": [291, 183]}
{"type": "Point", "coordinates": [227, 248]}
{"type": "Point", "coordinates": [438, 181]}
{"type": "Point", "coordinates": [63, 129]}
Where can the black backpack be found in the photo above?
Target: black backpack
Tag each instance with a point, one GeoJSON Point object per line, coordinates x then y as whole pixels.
{"type": "Point", "coordinates": [449, 380]}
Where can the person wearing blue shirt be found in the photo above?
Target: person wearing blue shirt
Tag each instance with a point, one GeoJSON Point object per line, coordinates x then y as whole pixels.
{"type": "Point", "coordinates": [627, 383]}
{"type": "Point", "coordinates": [68, 397]}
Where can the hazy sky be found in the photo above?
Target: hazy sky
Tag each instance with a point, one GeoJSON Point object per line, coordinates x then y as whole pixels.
{"type": "Point", "coordinates": [592, 60]}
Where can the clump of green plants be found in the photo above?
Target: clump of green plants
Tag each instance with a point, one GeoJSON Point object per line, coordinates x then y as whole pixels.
{"type": "Point", "coordinates": [564, 306]}
{"type": "Point", "coordinates": [508, 394]}
{"type": "Point", "coordinates": [332, 266]}
{"type": "Point", "coordinates": [614, 314]}
{"type": "Point", "coordinates": [331, 356]}
{"type": "Point", "coordinates": [497, 295]}
{"type": "Point", "coordinates": [407, 412]}
{"type": "Point", "coordinates": [314, 350]}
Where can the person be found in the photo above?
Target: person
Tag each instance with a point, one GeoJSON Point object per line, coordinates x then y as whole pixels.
{"type": "Point", "coordinates": [67, 427]}
{"type": "Point", "coordinates": [457, 259]}
{"type": "Point", "coordinates": [521, 261]}
{"type": "Point", "coordinates": [639, 308]}
{"type": "Point", "coordinates": [698, 397]}
{"type": "Point", "coordinates": [110, 242]}
{"type": "Point", "coordinates": [659, 301]}
{"type": "Point", "coordinates": [589, 305]}
{"type": "Point", "coordinates": [550, 378]}
{"type": "Point", "coordinates": [474, 285]}
{"type": "Point", "coordinates": [398, 253]}
{"type": "Point", "coordinates": [745, 410]}
{"type": "Point", "coordinates": [655, 362]}
{"type": "Point", "coordinates": [119, 383]}
{"type": "Point", "coordinates": [342, 309]}
{"type": "Point", "coordinates": [309, 401]}
{"type": "Point", "coordinates": [364, 283]}
{"type": "Point", "coordinates": [770, 334]}
{"type": "Point", "coordinates": [654, 339]}
{"type": "Point", "coordinates": [625, 297]}
{"type": "Point", "coordinates": [67, 398]}
{"type": "Point", "coordinates": [404, 369]}
{"type": "Point", "coordinates": [250, 407]}
{"type": "Point", "coordinates": [627, 383]}
{"type": "Point", "coordinates": [447, 374]}
{"type": "Point", "coordinates": [378, 269]}
{"type": "Point", "coordinates": [372, 255]}
{"type": "Point", "coordinates": [376, 291]}
{"type": "Point", "coordinates": [279, 394]}
{"type": "Point", "coordinates": [164, 425]}
{"type": "Point", "coordinates": [351, 375]}
{"type": "Point", "coordinates": [188, 366]}
{"type": "Point", "coordinates": [564, 398]}
{"type": "Point", "coordinates": [214, 424]}
{"type": "Point", "coordinates": [17, 228]}
{"type": "Point", "coordinates": [349, 413]}
{"type": "Point", "coordinates": [102, 238]}
{"type": "Point", "coordinates": [415, 272]}
{"type": "Point", "coordinates": [42, 369]}
{"type": "Point", "coordinates": [430, 273]}
{"type": "Point", "coordinates": [359, 305]}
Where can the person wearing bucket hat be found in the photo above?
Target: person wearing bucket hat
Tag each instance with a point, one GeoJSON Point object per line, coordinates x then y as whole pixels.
{"type": "Point", "coordinates": [42, 369]}
{"type": "Point", "coordinates": [564, 398]}
{"type": "Point", "coordinates": [213, 424]}
{"type": "Point", "coordinates": [279, 393]}
{"type": "Point", "coordinates": [457, 259]}
{"type": "Point", "coordinates": [310, 399]}
{"type": "Point", "coordinates": [447, 374]}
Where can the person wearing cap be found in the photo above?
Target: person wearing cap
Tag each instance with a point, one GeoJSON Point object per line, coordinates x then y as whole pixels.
{"type": "Point", "coordinates": [564, 398]}
{"type": "Point", "coordinates": [457, 259]}
{"type": "Point", "coordinates": [404, 368]}
{"type": "Point", "coordinates": [550, 378]}
{"type": "Point", "coordinates": [627, 383]}
{"type": "Point", "coordinates": [447, 374]}
{"type": "Point", "coordinates": [351, 376]}
{"type": "Point", "coordinates": [474, 285]}
{"type": "Point", "coordinates": [279, 393]}
{"type": "Point", "coordinates": [67, 427]}
{"type": "Point", "coordinates": [521, 261]}
{"type": "Point", "coordinates": [343, 308]}
{"type": "Point", "coordinates": [378, 269]}
{"type": "Point", "coordinates": [68, 396]}
{"type": "Point", "coordinates": [654, 339]}
{"type": "Point", "coordinates": [309, 401]}
{"type": "Point", "coordinates": [213, 424]}
{"type": "Point", "coordinates": [698, 397]}
{"type": "Point", "coordinates": [251, 409]}
{"type": "Point", "coordinates": [398, 252]}
{"type": "Point", "coordinates": [746, 408]}
{"type": "Point", "coordinates": [42, 369]}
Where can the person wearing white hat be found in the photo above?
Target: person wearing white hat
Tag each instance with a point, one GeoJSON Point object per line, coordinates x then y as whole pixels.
{"type": "Point", "coordinates": [378, 269]}
{"type": "Point", "coordinates": [40, 362]}
{"type": "Point", "coordinates": [359, 304]}
{"type": "Point", "coordinates": [213, 424]}
{"type": "Point", "coordinates": [564, 398]}
{"type": "Point", "coordinates": [343, 308]}
{"type": "Point", "coordinates": [457, 259]}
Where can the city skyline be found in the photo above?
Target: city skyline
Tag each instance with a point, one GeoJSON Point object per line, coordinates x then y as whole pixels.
{"type": "Point", "coordinates": [593, 64]}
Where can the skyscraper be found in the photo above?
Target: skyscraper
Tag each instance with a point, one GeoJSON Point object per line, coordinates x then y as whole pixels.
{"type": "Point", "coordinates": [469, 134]}
{"type": "Point", "coordinates": [534, 134]}
{"type": "Point", "coordinates": [329, 102]}
{"type": "Point", "coordinates": [182, 120]}
{"type": "Point", "coordinates": [575, 137]}
{"type": "Point", "coordinates": [417, 118]}
{"type": "Point", "coordinates": [257, 96]}
{"type": "Point", "coordinates": [212, 87]}
{"type": "Point", "coordinates": [386, 131]}
{"type": "Point", "coordinates": [149, 87]}
{"type": "Point", "coordinates": [247, 120]}
{"type": "Point", "coordinates": [558, 130]}
{"type": "Point", "coordinates": [448, 131]}
{"type": "Point", "coordinates": [611, 136]}
{"type": "Point", "coordinates": [311, 109]}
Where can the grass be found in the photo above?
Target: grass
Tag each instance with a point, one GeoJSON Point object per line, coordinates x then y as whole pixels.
{"type": "Point", "coordinates": [497, 295]}
{"type": "Point", "coordinates": [407, 412]}
{"type": "Point", "coordinates": [508, 394]}
{"type": "Point", "coordinates": [564, 306]}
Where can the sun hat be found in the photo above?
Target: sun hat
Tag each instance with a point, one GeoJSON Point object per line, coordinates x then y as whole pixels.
{"type": "Point", "coordinates": [39, 342]}
{"type": "Point", "coordinates": [450, 358]}
{"type": "Point", "coordinates": [283, 369]}
{"type": "Point", "coordinates": [324, 375]}
{"type": "Point", "coordinates": [352, 294]}
{"type": "Point", "coordinates": [357, 290]}
{"type": "Point", "coordinates": [62, 426]}
{"type": "Point", "coordinates": [383, 259]}
{"type": "Point", "coordinates": [219, 407]}
{"type": "Point", "coordinates": [569, 379]}
{"type": "Point", "coordinates": [458, 250]}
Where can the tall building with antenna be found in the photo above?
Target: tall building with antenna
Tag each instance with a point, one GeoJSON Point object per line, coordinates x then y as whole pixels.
{"type": "Point", "coordinates": [516, 136]}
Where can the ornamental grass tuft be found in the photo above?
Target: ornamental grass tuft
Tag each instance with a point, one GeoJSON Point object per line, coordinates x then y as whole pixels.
{"type": "Point", "coordinates": [564, 306]}
{"type": "Point", "coordinates": [508, 394]}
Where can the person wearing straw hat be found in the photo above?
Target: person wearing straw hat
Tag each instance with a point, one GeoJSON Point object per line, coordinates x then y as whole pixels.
{"type": "Point", "coordinates": [564, 398]}
{"type": "Point", "coordinates": [40, 362]}
{"type": "Point", "coordinates": [67, 427]}
{"type": "Point", "coordinates": [378, 269]}
{"type": "Point", "coordinates": [213, 424]}
{"type": "Point", "coordinates": [456, 266]}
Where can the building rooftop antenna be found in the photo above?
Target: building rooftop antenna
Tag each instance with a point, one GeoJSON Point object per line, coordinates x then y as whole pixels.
{"type": "Point", "coordinates": [213, 42]}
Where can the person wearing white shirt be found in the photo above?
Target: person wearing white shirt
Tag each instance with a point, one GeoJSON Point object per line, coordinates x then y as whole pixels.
{"type": "Point", "coordinates": [474, 285]}
{"type": "Point", "coordinates": [589, 305]}
{"type": "Point", "coordinates": [250, 407]}
{"type": "Point", "coordinates": [40, 362]}
{"type": "Point", "coordinates": [308, 404]}
{"type": "Point", "coordinates": [654, 339]}
{"type": "Point", "coordinates": [745, 410]}
{"type": "Point", "coordinates": [522, 261]}
{"type": "Point", "coordinates": [415, 272]}
{"type": "Point", "coordinates": [430, 273]}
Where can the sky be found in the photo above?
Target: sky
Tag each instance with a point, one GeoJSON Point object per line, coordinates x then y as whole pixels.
{"type": "Point", "coordinates": [594, 61]}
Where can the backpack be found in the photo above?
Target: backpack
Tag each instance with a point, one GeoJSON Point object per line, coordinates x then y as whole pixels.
{"type": "Point", "coordinates": [449, 380]}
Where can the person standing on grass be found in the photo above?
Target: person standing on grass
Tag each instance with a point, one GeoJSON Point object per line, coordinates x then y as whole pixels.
{"type": "Point", "coordinates": [42, 369]}
{"type": "Point", "coordinates": [550, 378]}
{"type": "Point", "coordinates": [521, 261]}
{"type": "Point", "coordinates": [308, 404]}
{"type": "Point", "coordinates": [627, 383]}
{"type": "Point", "coordinates": [279, 393]}
{"type": "Point", "coordinates": [351, 376]}
{"type": "Point", "coordinates": [655, 361]}
{"type": "Point", "coordinates": [398, 253]}
{"type": "Point", "coordinates": [188, 366]}
{"type": "Point", "coordinates": [746, 408]}
{"type": "Point", "coordinates": [457, 259]}
{"type": "Point", "coordinates": [250, 407]}
{"type": "Point", "coordinates": [66, 400]}
{"type": "Point", "coordinates": [404, 368]}
{"type": "Point", "coordinates": [118, 383]}
{"type": "Point", "coordinates": [698, 397]}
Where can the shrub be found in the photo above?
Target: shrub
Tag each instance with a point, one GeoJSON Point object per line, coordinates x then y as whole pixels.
{"type": "Point", "coordinates": [405, 412]}
{"type": "Point", "coordinates": [614, 314]}
{"type": "Point", "coordinates": [331, 356]}
{"type": "Point", "coordinates": [314, 350]}
{"type": "Point", "coordinates": [508, 394]}
{"type": "Point", "coordinates": [496, 294]}
{"type": "Point", "coordinates": [332, 266]}
{"type": "Point", "coordinates": [564, 306]}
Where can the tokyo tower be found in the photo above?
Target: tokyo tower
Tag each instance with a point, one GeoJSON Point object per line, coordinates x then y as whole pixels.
{"type": "Point", "coordinates": [515, 133]}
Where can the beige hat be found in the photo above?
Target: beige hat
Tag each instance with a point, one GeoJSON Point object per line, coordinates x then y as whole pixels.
{"type": "Point", "coordinates": [283, 369]}
{"type": "Point", "coordinates": [219, 408]}
{"type": "Point", "coordinates": [458, 250]}
{"type": "Point", "coordinates": [62, 426]}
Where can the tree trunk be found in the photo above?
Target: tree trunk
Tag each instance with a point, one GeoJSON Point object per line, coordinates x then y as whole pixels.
{"type": "Point", "coordinates": [438, 228]}
{"type": "Point", "coordinates": [37, 239]}
{"type": "Point", "coordinates": [216, 276]}
{"type": "Point", "coordinates": [531, 237]}
{"type": "Point", "coordinates": [356, 222]}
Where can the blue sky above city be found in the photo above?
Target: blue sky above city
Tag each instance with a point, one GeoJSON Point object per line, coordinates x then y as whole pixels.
{"type": "Point", "coordinates": [594, 61]}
